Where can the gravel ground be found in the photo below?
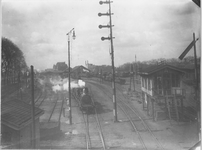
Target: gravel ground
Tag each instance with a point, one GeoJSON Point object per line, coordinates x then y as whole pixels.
{"type": "Point", "coordinates": [119, 136]}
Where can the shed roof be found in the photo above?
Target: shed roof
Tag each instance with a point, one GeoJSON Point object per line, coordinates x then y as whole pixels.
{"type": "Point", "coordinates": [17, 114]}
{"type": "Point", "coordinates": [154, 69]}
{"type": "Point", "coordinates": [77, 68]}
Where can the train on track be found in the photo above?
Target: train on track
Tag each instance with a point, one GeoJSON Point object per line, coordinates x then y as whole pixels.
{"type": "Point", "coordinates": [85, 101]}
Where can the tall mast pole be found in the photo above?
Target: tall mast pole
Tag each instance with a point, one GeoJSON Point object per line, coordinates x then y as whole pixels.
{"type": "Point", "coordinates": [198, 104]}
{"type": "Point", "coordinates": [33, 108]}
{"type": "Point", "coordinates": [113, 70]}
{"type": "Point", "coordinates": [69, 80]}
{"type": "Point", "coordinates": [112, 52]}
{"type": "Point", "coordinates": [69, 70]}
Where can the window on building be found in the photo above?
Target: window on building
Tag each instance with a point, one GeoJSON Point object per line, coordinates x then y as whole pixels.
{"type": "Point", "coordinates": [175, 80]}
{"type": "Point", "coordinates": [142, 82]}
{"type": "Point", "coordinates": [146, 83]}
{"type": "Point", "coordinates": [149, 85]}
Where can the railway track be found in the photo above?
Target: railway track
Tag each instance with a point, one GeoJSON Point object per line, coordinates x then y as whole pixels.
{"type": "Point", "coordinates": [54, 106]}
{"type": "Point", "coordinates": [37, 95]}
{"type": "Point", "coordinates": [14, 92]}
{"type": "Point", "coordinates": [40, 99]}
{"type": "Point", "coordinates": [140, 127]}
{"type": "Point", "coordinates": [57, 108]}
{"type": "Point", "coordinates": [144, 133]}
{"type": "Point", "coordinates": [9, 90]}
{"type": "Point", "coordinates": [94, 139]}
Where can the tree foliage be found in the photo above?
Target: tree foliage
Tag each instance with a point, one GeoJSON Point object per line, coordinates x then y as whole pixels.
{"type": "Point", "coordinates": [189, 60]}
{"type": "Point", "coordinates": [12, 59]}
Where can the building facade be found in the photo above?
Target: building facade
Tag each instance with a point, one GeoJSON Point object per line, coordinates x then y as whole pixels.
{"type": "Point", "coordinates": [162, 92]}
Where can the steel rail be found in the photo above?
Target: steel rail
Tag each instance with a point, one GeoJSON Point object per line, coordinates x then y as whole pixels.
{"type": "Point", "coordinates": [53, 108]}
{"type": "Point", "coordinates": [42, 100]}
{"type": "Point", "coordinates": [142, 120]}
{"type": "Point", "coordinates": [37, 93]}
{"type": "Point", "coordinates": [100, 131]}
{"type": "Point", "coordinates": [144, 123]}
{"type": "Point", "coordinates": [130, 119]}
{"type": "Point", "coordinates": [63, 99]}
{"type": "Point", "coordinates": [37, 99]}
{"type": "Point", "coordinates": [134, 127]}
{"type": "Point", "coordinates": [88, 143]}
{"type": "Point", "coordinates": [12, 90]}
{"type": "Point", "coordinates": [98, 123]}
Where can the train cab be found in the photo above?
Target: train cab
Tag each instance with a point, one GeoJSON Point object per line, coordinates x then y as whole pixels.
{"type": "Point", "coordinates": [86, 102]}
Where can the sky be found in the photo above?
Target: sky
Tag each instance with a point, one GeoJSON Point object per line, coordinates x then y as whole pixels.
{"type": "Point", "coordinates": [147, 29]}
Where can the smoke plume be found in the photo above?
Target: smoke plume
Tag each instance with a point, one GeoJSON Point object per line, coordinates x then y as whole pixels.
{"type": "Point", "coordinates": [58, 84]}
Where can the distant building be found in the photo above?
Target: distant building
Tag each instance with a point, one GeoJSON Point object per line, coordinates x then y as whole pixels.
{"type": "Point", "coordinates": [91, 67]}
{"type": "Point", "coordinates": [49, 70]}
{"type": "Point", "coordinates": [80, 71]}
{"type": "Point", "coordinates": [60, 66]}
{"type": "Point", "coordinates": [16, 125]}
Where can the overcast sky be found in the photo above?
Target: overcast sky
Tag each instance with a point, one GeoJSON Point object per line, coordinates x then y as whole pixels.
{"type": "Point", "coordinates": [149, 29]}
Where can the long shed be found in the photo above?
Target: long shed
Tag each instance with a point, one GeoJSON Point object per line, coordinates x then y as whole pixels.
{"type": "Point", "coordinates": [16, 125]}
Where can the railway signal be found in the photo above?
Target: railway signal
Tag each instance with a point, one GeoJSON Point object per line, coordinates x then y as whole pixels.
{"type": "Point", "coordinates": [198, 104]}
{"type": "Point", "coordinates": [197, 2]}
{"type": "Point", "coordinates": [104, 14]}
{"type": "Point", "coordinates": [103, 26]}
{"type": "Point", "coordinates": [112, 51]}
{"type": "Point", "coordinates": [197, 92]}
{"type": "Point", "coordinates": [105, 38]}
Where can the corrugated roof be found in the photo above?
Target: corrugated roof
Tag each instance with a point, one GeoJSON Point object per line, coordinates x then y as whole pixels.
{"type": "Point", "coordinates": [17, 114]}
{"type": "Point", "coordinates": [153, 69]}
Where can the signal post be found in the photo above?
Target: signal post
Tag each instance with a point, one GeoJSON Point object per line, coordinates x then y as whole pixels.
{"type": "Point", "coordinates": [112, 52]}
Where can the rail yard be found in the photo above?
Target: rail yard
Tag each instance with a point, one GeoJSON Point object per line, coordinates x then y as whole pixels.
{"type": "Point", "coordinates": [140, 90]}
{"type": "Point", "coordinates": [96, 128]}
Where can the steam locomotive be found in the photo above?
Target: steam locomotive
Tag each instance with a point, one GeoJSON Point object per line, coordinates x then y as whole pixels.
{"type": "Point", "coordinates": [85, 101]}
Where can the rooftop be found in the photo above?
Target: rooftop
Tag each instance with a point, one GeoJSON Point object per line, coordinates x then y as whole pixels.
{"type": "Point", "coordinates": [17, 114]}
{"type": "Point", "coordinates": [156, 68]}
{"type": "Point", "coordinates": [80, 67]}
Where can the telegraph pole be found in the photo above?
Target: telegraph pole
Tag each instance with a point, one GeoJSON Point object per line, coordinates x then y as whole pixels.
{"type": "Point", "coordinates": [33, 109]}
{"type": "Point", "coordinates": [136, 70]}
{"type": "Point", "coordinates": [112, 52]}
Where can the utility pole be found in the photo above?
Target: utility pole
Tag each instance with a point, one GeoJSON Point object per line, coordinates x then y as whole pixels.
{"type": "Point", "coordinates": [132, 72]}
{"type": "Point", "coordinates": [198, 100]}
{"type": "Point", "coordinates": [112, 52]}
{"type": "Point", "coordinates": [136, 70]}
{"type": "Point", "coordinates": [33, 108]}
{"type": "Point", "coordinates": [197, 92]}
{"type": "Point", "coordinates": [198, 103]}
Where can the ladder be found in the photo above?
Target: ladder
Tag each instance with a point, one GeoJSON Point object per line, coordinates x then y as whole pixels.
{"type": "Point", "coordinates": [172, 108]}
